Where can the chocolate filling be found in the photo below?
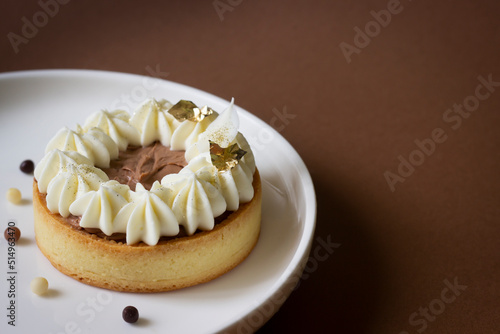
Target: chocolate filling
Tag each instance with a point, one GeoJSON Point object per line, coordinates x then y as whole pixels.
{"type": "Point", "coordinates": [145, 165]}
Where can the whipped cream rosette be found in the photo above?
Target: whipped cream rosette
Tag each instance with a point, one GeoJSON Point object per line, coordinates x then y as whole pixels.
{"type": "Point", "coordinates": [70, 173]}
{"type": "Point", "coordinates": [95, 145]}
{"type": "Point", "coordinates": [187, 133]}
{"type": "Point", "coordinates": [98, 208]}
{"type": "Point", "coordinates": [53, 162]}
{"type": "Point", "coordinates": [194, 201]}
{"type": "Point", "coordinates": [153, 122]}
{"type": "Point", "coordinates": [70, 183]}
{"type": "Point", "coordinates": [116, 125]}
{"type": "Point", "coordinates": [146, 217]}
{"type": "Point", "coordinates": [235, 185]}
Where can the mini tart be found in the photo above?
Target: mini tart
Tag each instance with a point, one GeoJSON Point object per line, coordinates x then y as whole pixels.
{"type": "Point", "coordinates": [171, 264]}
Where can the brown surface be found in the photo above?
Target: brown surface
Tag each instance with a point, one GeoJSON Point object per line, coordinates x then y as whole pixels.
{"type": "Point", "coordinates": [352, 121]}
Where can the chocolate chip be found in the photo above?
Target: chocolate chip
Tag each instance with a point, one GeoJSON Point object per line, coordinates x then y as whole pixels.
{"type": "Point", "coordinates": [130, 314]}
{"type": "Point", "coordinates": [12, 232]}
{"type": "Point", "coordinates": [27, 166]}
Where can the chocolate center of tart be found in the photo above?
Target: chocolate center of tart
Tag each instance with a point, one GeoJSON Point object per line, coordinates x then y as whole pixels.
{"type": "Point", "coordinates": [145, 165]}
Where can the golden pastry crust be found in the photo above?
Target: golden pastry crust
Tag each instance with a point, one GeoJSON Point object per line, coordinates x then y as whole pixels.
{"type": "Point", "coordinates": [169, 265]}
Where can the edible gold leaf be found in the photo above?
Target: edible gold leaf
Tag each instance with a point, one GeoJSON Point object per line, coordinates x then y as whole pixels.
{"type": "Point", "coordinates": [225, 158]}
{"type": "Point", "coordinates": [182, 110]}
{"type": "Point", "coordinates": [187, 110]}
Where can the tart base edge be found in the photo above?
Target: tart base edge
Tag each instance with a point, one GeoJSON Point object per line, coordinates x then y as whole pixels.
{"type": "Point", "coordinates": [169, 265]}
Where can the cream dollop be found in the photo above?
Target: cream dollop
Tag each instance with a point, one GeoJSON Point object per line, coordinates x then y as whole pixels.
{"type": "Point", "coordinates": [147, 217]}
{"type": "Point", "coordinates": [195, 202]}
{"type": "Point", "coordinates": [96, 145]}
{"type": "Point", "coordinates": [53, 162]}
{"type": "Point", "coordinates": [235, 184]}
{"type": "Point", "coordinates": [116, 125]}
{"type": "Point", "coordinates": [103, 146]}
{"type": "Point", "coordinates": [188, 132]}
{"type": "Point", "coordinates": [71, 183]}
{"type": "Point", "coordinates": [98, 208]}
{"type": "Point", "coordinates": [153, 122]}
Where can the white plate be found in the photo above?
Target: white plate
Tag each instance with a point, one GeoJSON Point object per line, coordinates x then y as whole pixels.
{"type": "Point", "coordinates": [33, 106]}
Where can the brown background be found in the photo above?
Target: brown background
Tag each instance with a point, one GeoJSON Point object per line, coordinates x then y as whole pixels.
{"type": "Point", "coordinates": [352, 121]}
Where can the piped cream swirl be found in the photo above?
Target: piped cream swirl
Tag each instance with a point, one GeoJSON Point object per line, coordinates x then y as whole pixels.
{"type": "Point", "coordinates": [195, 202]}
{"type": "Point", "coordinates": [53, 162]}
{"type": "Point", "coordinates": [116, 125]}
{"type": "Point", "coordinates": [97, 146]}
{"type": "Point", "coordinates": [235, 185]}
{"type": "Point", "coordinates": [188, 132]}
{"type": "Point", "coordinates": [146, 218]}
{"type": "Point", "coordinates": [98, 208]}
{"type": "Point", "coordinates": [71, 183]}
{"type": "Point", "coordinates": [153, 122]}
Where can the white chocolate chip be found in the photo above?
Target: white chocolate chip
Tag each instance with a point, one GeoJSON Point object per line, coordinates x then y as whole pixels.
{"type": "Point", "coordinates": [14, 195]}
{"type": "Point", "coordinates": [39, 285]}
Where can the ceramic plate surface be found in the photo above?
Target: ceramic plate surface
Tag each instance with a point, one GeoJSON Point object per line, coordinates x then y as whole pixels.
{"type": "Point", "coordinates": [34, 105]}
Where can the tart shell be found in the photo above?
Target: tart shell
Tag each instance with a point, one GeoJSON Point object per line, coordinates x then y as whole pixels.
{"type": "Point", "coordinates": [171, 264]}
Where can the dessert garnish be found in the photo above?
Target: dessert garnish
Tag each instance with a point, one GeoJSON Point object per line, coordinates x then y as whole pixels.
{"type": "Point", "coordinates": [187, 110]}
{"type": "Point", "coordinates": [225, 158]}
{"type": "Point", "coordinates": [14, 195]}
{"type": "Point", "coordinates": [27, 166]}
{"type": "Point", "coordinates": [39, 285]}
{"type": "Point", "coordinates": [130, 314]}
